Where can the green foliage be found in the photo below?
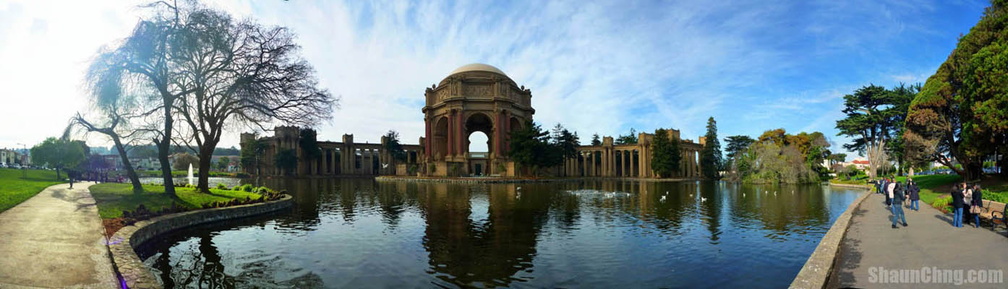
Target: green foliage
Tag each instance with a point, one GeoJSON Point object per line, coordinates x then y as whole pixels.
{"type": "Point", "coordinates": [779, 157]}
{"type": "Point", "coordinates": [183, 160]}
{"type": "Point", "coordinates": [59, 153]}
{"type": "Point", "coordinates": [393, 146]}
{"type": "Point", "coordinates": [666, 157]}
{"type": "Point", "coordinates": [243, 188]}
{"type": "Point", "coordinates": [112, 198]}
{"type": "Point", "coordinates": [308, 141]}
{"type": "Point", "coordinates": [223, 163]}
{"type": "Point", "coordinates": [874, 121]}
{"type": "Point", "coordinates": [531, 147]}
{"type": "Point", "coordinates": [737, 144]}
{"type": "Point", "coordinates": [710, 156]}
{"type": "Point", "coordinates": [630, 138]}
{"type": "Point", "coordinates": [596, 141]}
{"type": "Point", "coordinates": [566, 141]}
{"type": "Point", "coordinates": [222, 186]}
{"type": "Point", "coordinates": [14, 189]}
{"type": "Point", "coordinates": [286, 160]}
{"type": "Point", "coordinates": [961, 114]}
{"type": "Point", "coordinates": [251, 152]}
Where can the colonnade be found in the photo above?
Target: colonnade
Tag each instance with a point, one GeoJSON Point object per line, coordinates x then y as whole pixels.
{"type": "Point", "coordinates": [628, 161]}
{"type": "Point", "coordinates": [335, 158]}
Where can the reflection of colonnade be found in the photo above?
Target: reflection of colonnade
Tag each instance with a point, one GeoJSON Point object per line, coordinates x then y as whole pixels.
{"type": "Point", "coordinates": [630, 160]}
{"type": "Point", "coordinates": [336, 158]}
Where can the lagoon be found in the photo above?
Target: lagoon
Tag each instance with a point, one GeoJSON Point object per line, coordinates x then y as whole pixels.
{"type": "Point", "coordinates": [595, 233]}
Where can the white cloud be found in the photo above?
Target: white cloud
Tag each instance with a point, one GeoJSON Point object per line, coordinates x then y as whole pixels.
{"type": "Point", "coordinates": [596, 66]}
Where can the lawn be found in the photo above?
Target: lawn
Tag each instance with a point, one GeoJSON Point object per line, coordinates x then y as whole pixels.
{"type": "Point", "coordinates": [14, 189]}
{"type": "Point", "coordinates": [113, 198]}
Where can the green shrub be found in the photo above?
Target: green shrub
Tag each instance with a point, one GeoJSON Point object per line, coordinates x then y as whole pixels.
{"type": "Point", "coordinates": [222, 186]}
{"type": "Point", "coordinates": [943, 204]}
{"type": "Point", "coordinates": [243, 188]}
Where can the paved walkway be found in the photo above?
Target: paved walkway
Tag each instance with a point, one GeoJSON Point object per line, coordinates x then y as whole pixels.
{"type": "Point", "coordinates": [872, 245]}
{"type": "Point", "coordinates": [55, 239]}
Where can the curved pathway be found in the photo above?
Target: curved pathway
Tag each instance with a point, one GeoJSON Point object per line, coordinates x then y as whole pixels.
{"type": "Point", "coordinates": [55, 239]}
{"type": "Point", "coordinates": [872, 248]}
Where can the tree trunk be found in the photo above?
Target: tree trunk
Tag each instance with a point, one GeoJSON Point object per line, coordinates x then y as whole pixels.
{"type": "Point", "coordinates": [137, 187]}
{"type": "Point", "coordinates": [205, 158]}
{"type": "Point", "coordinates": [164, 147]}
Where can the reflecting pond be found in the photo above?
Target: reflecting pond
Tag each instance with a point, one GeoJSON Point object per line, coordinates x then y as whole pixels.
{"type": "Point", "coordinates": [350, 233]}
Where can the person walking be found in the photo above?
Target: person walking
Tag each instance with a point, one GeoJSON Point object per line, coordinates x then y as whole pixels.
{"type": "Point", "coordinates": [897, 207]}
{"type": "Point", "coordinates": [977, 203]}
{"type": "Point", "coordinates": [957, 204]}
{"type": "Point", "coordinates": [914, 191]}
{"type": "Point", "coordinates": [890, 186]}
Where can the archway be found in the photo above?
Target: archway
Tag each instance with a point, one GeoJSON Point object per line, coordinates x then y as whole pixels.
{"type": "Point", "coordinates": [478, 128]}
{"type": "Point", "coordinates": [481, 123]}
{"type": "Point", "coordinates": [473, 98]}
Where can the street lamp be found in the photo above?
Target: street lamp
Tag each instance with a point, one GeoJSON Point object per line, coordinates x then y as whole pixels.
{"type": "Point", "coordinates": [24, 166]}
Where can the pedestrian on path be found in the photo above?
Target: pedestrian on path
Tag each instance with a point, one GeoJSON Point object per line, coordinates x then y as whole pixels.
{"type": "Point", "coordinates": [957, 204]}
{"type": "Point", "coordinates": [889, 186]}
{"type": "Point", "coordinates": [977, 203]}
{"type": "Point", "coordinates": [914, 192]}
{"type": "Point", "coordinates": [897, 207]}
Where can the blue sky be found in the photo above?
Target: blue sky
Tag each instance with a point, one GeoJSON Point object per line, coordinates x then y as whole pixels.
{"type": "Point", "coordinates": [594, 66]}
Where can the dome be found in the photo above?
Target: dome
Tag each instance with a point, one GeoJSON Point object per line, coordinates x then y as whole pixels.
{"type": "Point", "coordinates": [477, 67]}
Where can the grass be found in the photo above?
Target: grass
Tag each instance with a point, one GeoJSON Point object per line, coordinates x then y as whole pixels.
{"type": "Point", "coordinates": [113, 199]}
{"type": "Point", "coordinates": [14, 189]}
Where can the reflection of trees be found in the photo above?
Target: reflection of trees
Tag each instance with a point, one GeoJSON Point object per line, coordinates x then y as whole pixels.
{"type": "Point", "coordinates": [202, 266]}
{"type": "Point", "coordinates": [195, 268]}
{"type": "Point", "coordinates": [391, 202]}
{"type": "Point", "coordinates": [489, 253]}
{"type": "Point", "coordinates": [711, 208]}
{"type": "Point", "coordinates": [786, 212]}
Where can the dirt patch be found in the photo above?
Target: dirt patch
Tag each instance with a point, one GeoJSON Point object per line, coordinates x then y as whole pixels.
{"type": "Point", "coordinates": [113, 225]}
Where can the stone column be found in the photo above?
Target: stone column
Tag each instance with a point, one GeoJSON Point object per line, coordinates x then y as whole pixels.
{"type": "Point", "coordinates": [461, 139]}
{"type": "Point", "coordinates": [450, 138]}
{"type": "Point", "coordinates": [427, 139]}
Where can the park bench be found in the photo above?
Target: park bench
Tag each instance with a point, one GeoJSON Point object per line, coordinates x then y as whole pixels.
{"type": "Point", "coordinates": [993, 211]}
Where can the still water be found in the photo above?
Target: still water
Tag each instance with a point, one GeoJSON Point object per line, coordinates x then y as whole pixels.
{"type": "Point", "coordinates": [352, 233]}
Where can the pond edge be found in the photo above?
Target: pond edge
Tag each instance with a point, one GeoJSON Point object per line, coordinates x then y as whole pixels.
{"type": "Point", "coordinates": [122, 245]}
{"type": "Point", "coordinates": [819, 266]}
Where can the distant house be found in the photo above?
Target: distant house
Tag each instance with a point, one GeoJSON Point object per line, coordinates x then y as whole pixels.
{"type": "Point", "coordinates": [860, 163]}
{"type": "Point", "coordinates": [9, 157]}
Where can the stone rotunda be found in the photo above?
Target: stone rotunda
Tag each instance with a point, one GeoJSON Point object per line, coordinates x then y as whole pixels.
{"type": "Point", "coordinates": [473, 98]}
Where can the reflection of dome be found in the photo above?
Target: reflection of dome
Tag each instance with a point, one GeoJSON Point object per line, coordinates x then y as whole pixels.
{"type": "Point", "coordinates": [477, 67]}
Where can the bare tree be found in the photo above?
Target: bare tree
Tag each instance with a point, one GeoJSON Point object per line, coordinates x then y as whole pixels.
{"type": "Point", "coordinates": [241, 74]}
{"type": "Point", "coordinates": [143, 64]}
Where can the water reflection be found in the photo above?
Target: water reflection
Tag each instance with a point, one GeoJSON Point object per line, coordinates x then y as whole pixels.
{"type": "Point", "coordinates": [357, 232]}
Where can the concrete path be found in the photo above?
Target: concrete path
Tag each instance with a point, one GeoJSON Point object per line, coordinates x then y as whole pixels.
{"type": "Point", "coordinates": [56, 240]}
{"type": "Point", "coordinates": [872, 249]}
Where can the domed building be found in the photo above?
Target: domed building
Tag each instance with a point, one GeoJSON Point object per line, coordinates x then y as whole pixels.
{"type": "Point", "coordinates": [473, 98]}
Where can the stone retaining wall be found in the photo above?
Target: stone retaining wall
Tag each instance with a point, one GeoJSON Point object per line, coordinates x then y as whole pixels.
{"type": "Point", "coordinates": [819, 266]}
{"type": "Point", "coordinates": [123, 244]}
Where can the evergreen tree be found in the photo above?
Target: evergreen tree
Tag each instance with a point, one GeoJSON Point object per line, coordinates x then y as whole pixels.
{"type": "Point", "coordinates": [710, 157]}
{"type": "Point", "coordinates": [595, 141]}
{"type": "Point", "coordinates": [630, 138]}
{"type": "Point", "coordinates": [666, 158]}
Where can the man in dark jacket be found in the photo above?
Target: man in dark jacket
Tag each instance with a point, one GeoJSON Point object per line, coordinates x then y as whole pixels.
{"type": "Point", "coordinates": [897, 206]}
{"type": "Point", "coordinates": [914, 193]}
{"type": "Point", "coordinates": [957, 204]}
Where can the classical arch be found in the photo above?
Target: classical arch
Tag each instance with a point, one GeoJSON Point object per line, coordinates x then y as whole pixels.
{"type": "Point", "coordinates": [474, 97]}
